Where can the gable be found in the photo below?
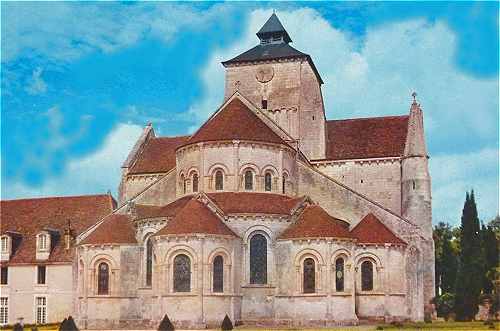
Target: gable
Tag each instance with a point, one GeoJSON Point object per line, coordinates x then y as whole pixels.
{"type": "Point", "coordinates": [366, 137]}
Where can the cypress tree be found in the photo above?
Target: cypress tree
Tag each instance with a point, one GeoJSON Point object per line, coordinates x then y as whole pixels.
{"type": "Point", "coordinates": [226, 323]}
{"type": "Point", "coordinates": [469, 277]}
{"type": "Point", "coordinates": [165, 324]}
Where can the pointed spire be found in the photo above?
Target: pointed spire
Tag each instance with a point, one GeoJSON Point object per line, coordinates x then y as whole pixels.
{"type": "Point", "coordinates": [415, 141]}
{"type": "Point", "coordinates": [273, 31]}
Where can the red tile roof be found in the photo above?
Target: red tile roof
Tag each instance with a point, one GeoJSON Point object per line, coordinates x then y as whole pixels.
{"type": "Point", "coordinates": [195, 217]}
{"type": "Point", "coordinates": [366, 137]}
{"type": "Point", "coordinates": [31, 216]}
{"type": "Point", "coordinates": [169, 210]}
{"type": "Point", "coordinates": [315, 222]}
{"type": "Point", "coordinates": [235, 121]}
{"type": "Point", "coordinates": [254, 203]}
{"type": "Point", "coordinates": [370, 230]}
{"type": "Point", "coordinates": [158, 155]}
{"type": "Point", "coordinates": [115, 229]}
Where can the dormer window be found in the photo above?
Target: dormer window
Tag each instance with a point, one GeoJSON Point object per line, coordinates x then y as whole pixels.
{"type": "Point", "coordinates": [4, 243]}
{"type": "Point", "coordinates": [42, 242]}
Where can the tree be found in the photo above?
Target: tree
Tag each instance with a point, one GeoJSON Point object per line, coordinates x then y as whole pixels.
{"type": "Point", "coordinates": [470, 270]}
{"type": "Point", "coordinates": [446, 258]}
{"type": "Point", "coordinates": [165, 324]}
{"type": "Point", "coordinates": [490, 251]}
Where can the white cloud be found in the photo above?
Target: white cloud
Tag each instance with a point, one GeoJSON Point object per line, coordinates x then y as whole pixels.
{"type": "Point", "coordinates": [377, 77]}
{"type": "Point", "coordinates": [94, 173]}
{"type": "Point", "coordinates": [66, 31]}
{"type": "Point", "coordinates": [36, 85]}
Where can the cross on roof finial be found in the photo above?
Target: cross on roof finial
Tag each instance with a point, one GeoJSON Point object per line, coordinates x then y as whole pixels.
{"type": "Point", "coordinates": [274, 11]}
{"type": "Point", "coordinates": [414, 95]}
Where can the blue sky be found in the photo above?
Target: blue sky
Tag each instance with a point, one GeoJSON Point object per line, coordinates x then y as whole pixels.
{"type": "Point", "coordinates": [80, 81]}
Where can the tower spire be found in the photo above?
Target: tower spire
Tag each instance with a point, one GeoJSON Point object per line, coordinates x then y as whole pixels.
{"type": "Point", "coordinates": [273, 31]}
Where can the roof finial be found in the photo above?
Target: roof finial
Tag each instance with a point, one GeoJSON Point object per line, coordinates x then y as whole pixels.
{"type": "Point", "coordinates": [274, 11]}
{"type": "Point", "coordinates": [414, 95]}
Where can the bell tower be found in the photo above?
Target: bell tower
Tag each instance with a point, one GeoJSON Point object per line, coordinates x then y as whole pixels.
{"type": "Point", "coordinates": [284, 83]}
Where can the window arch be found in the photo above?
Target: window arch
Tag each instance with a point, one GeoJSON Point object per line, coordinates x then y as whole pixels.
{"type": "Point", "coordinates": [149, 261]}
{"type": "Point", "coordinates": [218, 274]}
{"type": "Point", "coordinates": [103, 278]}
{"type": "Point", "coordinates": [339, 274]}
{"type": "Point", "coordinates": [219, 180]}
{"type": "Point", "coordinates": [268, 182]}
{"type": "Point", "coordinates": [367, 276]}
{"type": "Point", "coordinates": [195, 182]}
{"type": "Point", "coordinates": [248, 178]}
{"type": "Point", "coordinates": [43, 242]}
{"type": "Point", "coordinates": [309, 278]}
{"type": "Point", "coordinates": [182, 273]}
{"type": "Point", "coordinates": [258, 259]}
{"type": "Point", "coordinates": [283, 183]}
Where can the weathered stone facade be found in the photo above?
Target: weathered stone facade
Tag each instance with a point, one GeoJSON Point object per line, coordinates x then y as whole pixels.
{"type": "Point", "coordinates": [283, 96]}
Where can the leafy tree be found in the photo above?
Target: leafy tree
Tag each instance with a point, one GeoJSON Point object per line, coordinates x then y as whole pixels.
{"type": "Point", "coordinates": [470, 270]}
{"type": "Point", "coordinates": [446, 258]}
{"type": "Point", "coordinates": [444, 305]}
{"type": "Point", "coordinates": [490, 251]}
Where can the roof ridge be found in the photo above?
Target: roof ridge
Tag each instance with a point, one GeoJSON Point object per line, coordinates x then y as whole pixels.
{"type": "Point", "coordinates": [367, 118]}
{"type": "Point", "coordinates": [58, 197]}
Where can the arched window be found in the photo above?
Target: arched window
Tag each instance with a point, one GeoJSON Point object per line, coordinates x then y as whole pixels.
{"type": "Point", "coordinates": [366, 276]}
{"type": "Point", "coordinates": [42, 242]}
{"type": "Point", "coordinates": [103, 278]}
{"type": "Point", "coordinates": [183, 180]}
{"type": "Point", "coordinates": [195, 183]}
{"type": "Point", "coordinates": [339, 274]}
{"type": "Point", "coordinates": [248, 180]}
{"type": "Point", "coordinates": [149, 262]}
{"type": "Point", "coordinates": [258, 259]}
{"type": "Point", "coordinates": [218, 274]}
{"type": "Point", "coordinates": [219, 180]}
{"type": "Point", "coordinates": [268, 182]}
{"type": "Point", "coordinates": [309, 276]}
{"type": "Point", "coordinates": [182, 273]}
{"type": "Point", "coordinates": [283, 183]}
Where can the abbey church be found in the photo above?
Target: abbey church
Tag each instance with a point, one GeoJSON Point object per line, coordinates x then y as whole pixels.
{"type": "Point", "coordinates": [269, 213]}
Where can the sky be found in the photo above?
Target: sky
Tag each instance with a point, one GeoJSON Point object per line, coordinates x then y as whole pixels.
{"type": "Point", "coordinates": [79, 81]}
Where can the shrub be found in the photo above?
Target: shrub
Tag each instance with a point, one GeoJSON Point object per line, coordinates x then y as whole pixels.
{"type": "Point", "coordinates": [379, 327]}
{"type": "Point", "coordinates": [165, 324]}
{"type": "Point", "coordinates": [17, 327]}
{"type": "Point", "coordinates": [445, 305]}
{"type": "Point", "coordinates": [226, 323]}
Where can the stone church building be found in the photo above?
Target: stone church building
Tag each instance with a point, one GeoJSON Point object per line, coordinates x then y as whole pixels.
{"type": "Point", "coordinates": [269, 212]}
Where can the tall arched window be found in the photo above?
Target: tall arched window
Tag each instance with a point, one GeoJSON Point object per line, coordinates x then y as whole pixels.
{"type": "Point", "coordinates": [219, 180]}
{"type": "Point", "coordinates": [103, 278]}
{"type": "Point", "coordinates": [183, 180]}
{"type": "Point", "coordinates": [339, 274]}
{"type": "Point", "coordinates": [283, 183]}
{"type": "Point", "coordinates": [218, 274]}
{"type": "Point", "coordinates": [309, 276]}
{"type": "Point", "coordinates": [258, 259]}
{"type": "Point", "coordinates": [182, 273]}
{"type": "Point", "coordinates": [248, 180]}
{"type": "Point", "coordinates": [195, 183]}
{"type": "Point", "coordinates": [268, 182]}
{"type": "Point", "coordinates": [149, 262]}
{"type": "Point", "coordinates": [366, 276]}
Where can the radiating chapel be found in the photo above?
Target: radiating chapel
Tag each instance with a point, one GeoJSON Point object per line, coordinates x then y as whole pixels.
{"type": "Point", "coordinates": [269, 213]}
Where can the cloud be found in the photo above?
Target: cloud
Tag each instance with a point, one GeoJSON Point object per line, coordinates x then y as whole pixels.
{"type": "Point", "coordinates": [452, 174]}
{"type": "Point", "coordinates": [376, 76]}
{"type": "Point", "coordinates": [66, 31]}
{"type": "Point", "coordinates": [94, 173]}
{"type": "Point", "coordinates": [36, 85]}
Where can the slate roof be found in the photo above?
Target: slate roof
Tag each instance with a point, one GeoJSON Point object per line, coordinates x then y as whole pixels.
{"type": "Point", "coordinates": [195, 218]}
{"type": "Point", "coordinates": [366, 137]}
{"type": "Point", "coordinates": [273, 27]}
{"type": "Point", "coordinates": [115, 229]}
{"type": "Point", "coordinates": [315, 222]}
{"type": "Point", "coordinates": [254, 203]}
{"type": "Point", "coordinates": [370, 230]}
{"type": "Point", "coordinates": [235, 122]}
{"type": "Point", "coordinates": [31, 216]}
{"type": "Point", "coordinates": [158, 155]}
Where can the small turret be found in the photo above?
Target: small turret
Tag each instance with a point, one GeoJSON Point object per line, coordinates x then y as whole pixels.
{"type": "Point", "coordinates": [416, 182]}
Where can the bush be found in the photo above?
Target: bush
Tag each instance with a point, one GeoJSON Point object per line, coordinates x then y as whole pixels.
{"type": "Point", "coordinates": [379, 327]}
{"type": "Point", "coordinates": [226, 323]}
{"type": "Point", "coordinates": [445, 305]}
{"type": "Point", "coordinates": [68, 324]}
{"type": "Point", "coordinates": [17, 327]}
{"type": "Point", "coordinates": [165, 324]}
